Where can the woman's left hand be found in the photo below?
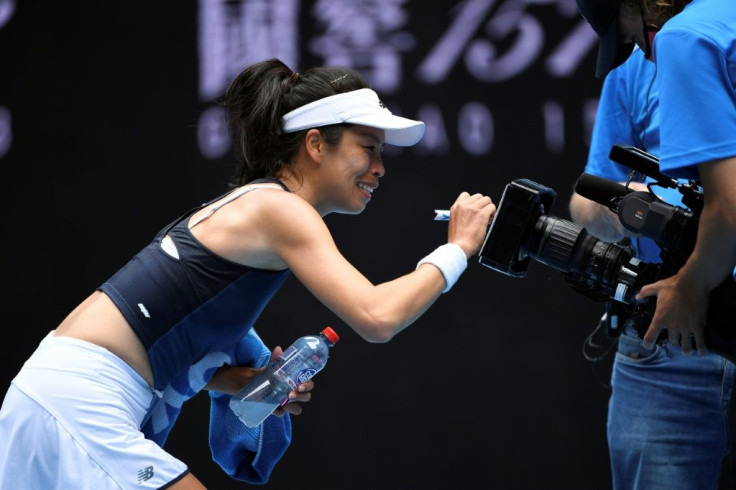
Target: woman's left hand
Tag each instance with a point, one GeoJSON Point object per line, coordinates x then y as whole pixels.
{"type": "Point", "coordinates": [301, 394]}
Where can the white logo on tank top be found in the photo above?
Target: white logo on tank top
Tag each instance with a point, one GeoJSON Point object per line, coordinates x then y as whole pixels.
{"type": "Point", "coordinates": [144, 310]}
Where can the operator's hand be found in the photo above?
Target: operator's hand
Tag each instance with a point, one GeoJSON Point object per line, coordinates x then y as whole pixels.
{"type": "Point", "coordinates": [230, 379]}
{"type": "Point", "coordinates": [469, 219]}
{"type": "Point", "coordinates": [681, 309]}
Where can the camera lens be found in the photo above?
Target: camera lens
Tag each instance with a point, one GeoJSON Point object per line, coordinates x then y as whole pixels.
{"type": "Point", "coordinates": [568, 247]}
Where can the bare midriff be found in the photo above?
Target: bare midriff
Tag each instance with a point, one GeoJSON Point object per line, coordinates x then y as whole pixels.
{"type": "Point", "coordinates": [97, 320]}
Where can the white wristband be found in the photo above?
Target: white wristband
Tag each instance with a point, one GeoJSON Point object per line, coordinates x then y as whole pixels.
{"type": "Point", "coordinates": [450, 260]}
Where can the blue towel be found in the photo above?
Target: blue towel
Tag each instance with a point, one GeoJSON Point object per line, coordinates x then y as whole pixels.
{"type": "Point", "coordinates": [243, 453]}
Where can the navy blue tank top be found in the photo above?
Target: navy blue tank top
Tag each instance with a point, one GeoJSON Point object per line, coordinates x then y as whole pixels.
{"type": "Point", "coordinates": [184, 308]}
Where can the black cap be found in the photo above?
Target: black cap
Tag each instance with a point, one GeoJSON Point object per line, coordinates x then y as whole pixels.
{"type": "Point", "coordinates": [602, 15]}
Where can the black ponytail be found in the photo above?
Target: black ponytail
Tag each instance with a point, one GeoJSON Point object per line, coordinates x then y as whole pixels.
{"type": "Point", "coordinates": [257, 100]}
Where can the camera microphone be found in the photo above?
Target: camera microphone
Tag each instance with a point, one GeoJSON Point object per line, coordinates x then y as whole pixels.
{"type": "Point", "coordinates": [642, 212]}
{"type": "Point", "coordinates": [602, 191]}
{"type": "Point", "coordinates": [642, 162]}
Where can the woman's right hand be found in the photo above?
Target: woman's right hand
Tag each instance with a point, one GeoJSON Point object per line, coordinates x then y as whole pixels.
{"type": "Point", "coordinates": [230, 379]}
{"type": "Point", "coordinates": [470, 216]}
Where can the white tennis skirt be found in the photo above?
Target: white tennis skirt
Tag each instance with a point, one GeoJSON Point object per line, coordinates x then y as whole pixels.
{"type": "Point", "coordinates": [71, 420]}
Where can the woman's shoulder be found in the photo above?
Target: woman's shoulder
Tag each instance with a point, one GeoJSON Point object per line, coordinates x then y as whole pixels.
{"type": "Point", "coordinates": [274, 206]}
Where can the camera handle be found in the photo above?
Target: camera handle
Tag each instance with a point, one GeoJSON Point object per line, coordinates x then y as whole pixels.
{"type": "Point", "coordinates": [720, 334]}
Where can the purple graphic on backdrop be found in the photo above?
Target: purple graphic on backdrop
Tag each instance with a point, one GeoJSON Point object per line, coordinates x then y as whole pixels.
{"type": "Point", "coordinates": [232, 35]}
{"type": "Point", "coordinates": [235, 34]}
{"type": "Point", "coordinates": [498, 41]}
{"type": "Point", "coordinates": [368, 36]}
{"type": "Point", "coordinates": [490, 41]}
{"type": "Point", "coordinates": [6, 131]}
{"type": "Point", "coordinates": [7, 8]}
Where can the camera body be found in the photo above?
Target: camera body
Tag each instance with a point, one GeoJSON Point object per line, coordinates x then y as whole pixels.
{"type": "Point", "coordinates": [522, 202]}
{"type": "Point", "coordinates": [522, 231]}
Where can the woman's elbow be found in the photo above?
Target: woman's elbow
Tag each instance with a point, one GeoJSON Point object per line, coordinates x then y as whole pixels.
{"type": "Point", "coordinates": [376, 331]}
{"type": "Point", "coordinates": [377, 337]}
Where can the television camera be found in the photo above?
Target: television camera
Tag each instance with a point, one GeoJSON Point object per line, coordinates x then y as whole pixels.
{"type": "Point", "coordinates": [522, 231]}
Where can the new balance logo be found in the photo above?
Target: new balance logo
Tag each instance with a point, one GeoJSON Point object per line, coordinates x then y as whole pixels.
{"type": "Point", "coordinates": [145, 474]}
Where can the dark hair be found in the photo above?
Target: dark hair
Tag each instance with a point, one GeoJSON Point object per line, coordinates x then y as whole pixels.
{"type": "Point", "coordinates": [658, 11]}
{"type": "Point", "coordinates": [257, 100]}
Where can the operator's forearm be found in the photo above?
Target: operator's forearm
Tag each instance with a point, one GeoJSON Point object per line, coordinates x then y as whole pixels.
{"type": "Point", "coordinates": [714, 255]}
{"type": "Point", "coordinates": [596, 218]}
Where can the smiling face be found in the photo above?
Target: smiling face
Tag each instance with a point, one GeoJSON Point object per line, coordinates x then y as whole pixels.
{"type": "Point", "coordinates": [350, 170]}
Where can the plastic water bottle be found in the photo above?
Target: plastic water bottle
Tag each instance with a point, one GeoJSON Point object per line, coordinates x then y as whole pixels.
{"type": "Point", "coordinates": [270, 388]}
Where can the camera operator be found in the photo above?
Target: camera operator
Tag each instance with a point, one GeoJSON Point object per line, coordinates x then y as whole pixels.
{"type": "Point", "coordinates": [694, 61]}
{"type": "Point", "coordinates": [666, 415]}
{"type": "Point", "coordinates": [653, 389]}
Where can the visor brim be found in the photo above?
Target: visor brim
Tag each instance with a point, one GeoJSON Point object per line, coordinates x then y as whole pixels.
{"type": "Point", "coordinates": [399, 131]}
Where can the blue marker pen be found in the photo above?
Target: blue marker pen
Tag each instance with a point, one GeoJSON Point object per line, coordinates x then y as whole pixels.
{"type": "Point", "coordinates": [441, 214]}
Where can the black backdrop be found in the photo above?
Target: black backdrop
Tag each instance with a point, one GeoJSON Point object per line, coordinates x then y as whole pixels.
{"type": "Point", "coordinates": [101, 143]}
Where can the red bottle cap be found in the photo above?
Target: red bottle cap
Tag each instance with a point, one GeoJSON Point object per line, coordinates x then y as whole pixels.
{"type": "Point", "coordinates": [330, 334]}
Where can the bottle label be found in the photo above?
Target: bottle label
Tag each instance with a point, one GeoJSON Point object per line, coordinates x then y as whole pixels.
{"type": "Point", "coordinates": [305, 375]}
{"type": "Point", "coordinates": [301, 377]}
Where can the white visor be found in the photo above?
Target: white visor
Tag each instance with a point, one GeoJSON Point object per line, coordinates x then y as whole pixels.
{"type": "Point", "coordinates": [360, 107]}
